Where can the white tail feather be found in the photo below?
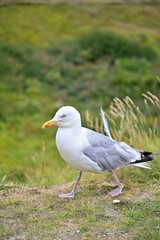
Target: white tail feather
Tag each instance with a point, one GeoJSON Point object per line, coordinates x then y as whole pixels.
{"type": "Point", "coordinates": [105, 123]}
{"type": "Point", "coordinates": [156, 154]}
{"type": "Point", "coordinates": [143, 165]}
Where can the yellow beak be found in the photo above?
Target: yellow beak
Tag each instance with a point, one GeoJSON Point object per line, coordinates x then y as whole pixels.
{"type": "Point", "coordinates": [49, 123]}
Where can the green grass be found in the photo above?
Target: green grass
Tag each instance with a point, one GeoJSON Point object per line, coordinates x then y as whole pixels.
{"type": "Point", "coordinates": [52, 23]}
{"type": "Point", "coordinates": [40, 72]}
{"type": "Point", "coordinates": [38, 212]}
{"type": "Point", "coordinates": [44, 65]}
{"type": "Point", "coordinates": [42, 164]}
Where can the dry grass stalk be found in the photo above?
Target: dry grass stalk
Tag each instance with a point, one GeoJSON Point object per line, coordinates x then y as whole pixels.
{"type": "Point", "coordinates": [149, 98]}
{"type": "Point", "coordinates": [126, 119]}
{"type": "Point", "coordinates": [89, 120]}
{"type": "Point", "coordinates": [153, 96]}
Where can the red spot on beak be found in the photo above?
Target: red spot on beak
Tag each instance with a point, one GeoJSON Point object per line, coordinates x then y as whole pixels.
{"type": "Point", "coordinates": [46, 126]}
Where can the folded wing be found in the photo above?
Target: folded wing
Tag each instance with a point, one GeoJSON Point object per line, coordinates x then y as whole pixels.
{"type": "Point", "coordinates": [108, 153]}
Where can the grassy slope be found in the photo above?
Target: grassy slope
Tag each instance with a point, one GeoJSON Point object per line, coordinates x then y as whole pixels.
{"type": "Point", "coordinates": [37, 213]}
{"type": "Point", "coordinates": [55, 22]}
{"type": "Point", "coordinates": [26, 101]}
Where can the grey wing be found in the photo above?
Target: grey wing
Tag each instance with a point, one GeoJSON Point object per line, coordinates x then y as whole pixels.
{"type": "Point", "coordinates": [108, 153]}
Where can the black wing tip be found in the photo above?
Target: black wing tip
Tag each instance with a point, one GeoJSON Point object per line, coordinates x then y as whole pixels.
{"type": "Point", "coordinates": [146, 157]}
{"type": "Point", "coordinates": [146, 153]}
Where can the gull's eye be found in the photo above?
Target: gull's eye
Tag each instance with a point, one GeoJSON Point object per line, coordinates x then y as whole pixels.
{"type": "Point", "coordinates": [63, 116]}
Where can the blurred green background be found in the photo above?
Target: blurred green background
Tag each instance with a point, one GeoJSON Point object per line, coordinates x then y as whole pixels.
{"type": "Point", "coordinates": [82, 55]}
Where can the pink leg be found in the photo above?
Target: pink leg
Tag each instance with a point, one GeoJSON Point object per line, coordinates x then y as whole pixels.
{"type": "Point", "coordinates": [118, 190]}
{"type": "Point", "coordinates": [71, 195]}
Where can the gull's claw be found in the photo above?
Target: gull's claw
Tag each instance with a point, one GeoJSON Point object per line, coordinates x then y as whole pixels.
{"type": "Point", "coordinates": [67, 195]}
{"type": "Point", "coordinates": [116, 192]}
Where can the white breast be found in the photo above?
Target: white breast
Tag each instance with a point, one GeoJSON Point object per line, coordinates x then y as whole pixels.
{"type": "Point", "coordinates": [70, 144]}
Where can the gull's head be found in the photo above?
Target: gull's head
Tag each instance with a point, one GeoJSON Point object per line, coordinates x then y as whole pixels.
{"type": "Point", "coordinates": [65, 117]}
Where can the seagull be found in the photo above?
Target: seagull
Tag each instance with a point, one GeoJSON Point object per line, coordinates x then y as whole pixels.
{"type": "Point", "coordinates": [90, 151]}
